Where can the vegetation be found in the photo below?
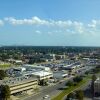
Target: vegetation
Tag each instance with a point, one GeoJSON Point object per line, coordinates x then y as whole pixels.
{"type": "Point", "coordinates": [5, 92]}
{"type": "Point", "coordinates": [70, 89]}
{"type": "Point", "coordinates": [71, 96]}
{"type": "Point", "coordinates": [77, 79]}
{"type": "Point", "coordinates": [43, 82]}
{"type": "Point", "coordinates": [96, 69]}
{"type": "Point", "coordinates": [2, 74]}
{"type": "Point", "coordinates": [87, 72]}
{"type": "Point", "coordinates": [79, 94]}
{"type": "Point", "coordinates": [92, 83]}
{"type": "Point", "coordinates": [19, 52]}
{"type": "Point", "coordinates": [69, 83]}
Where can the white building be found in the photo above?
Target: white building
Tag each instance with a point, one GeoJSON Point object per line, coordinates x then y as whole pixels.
{"type": "Point", "coordinates": [39, 74]}
{"type": "Point", "coordinates": [35, 67]}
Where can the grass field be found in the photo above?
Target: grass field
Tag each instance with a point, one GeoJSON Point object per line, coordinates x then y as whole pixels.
{"type": "Point", "coordinates": [4, 66]}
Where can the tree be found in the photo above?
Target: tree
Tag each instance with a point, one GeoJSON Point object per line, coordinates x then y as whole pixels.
{"type": "Point", "coordinates": [5, 92]}
{"type": "Point", "coordinates": [2, 74]}
{"type": "Point", "coordinates": [87, 72]}
{"type": "Point", "coordinates": [77, 79]}
{"type": "Point", "coordinates": [43, 82]}
{"type": "Point", "coordinates": [69, 83]}
{"type": "Point", "coordinates": [71, 96]}
{"type": "Point", "coordinates": [94, 78]}
{"type": "Point", "coordinates": [92, 83]}
{"type": "Point", "coordinates": [79, 95]}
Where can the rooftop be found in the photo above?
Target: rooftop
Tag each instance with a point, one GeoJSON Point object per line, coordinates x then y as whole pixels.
{"type": "Point", "coordinates": [17, 81]}
{"type": "Point", "coordinates": [97, 80]}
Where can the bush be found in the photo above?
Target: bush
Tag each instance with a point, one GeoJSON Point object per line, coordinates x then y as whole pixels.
{"type": "Point", "coordinates": [5, 92]}
{"type": "Point", "coordinates": [69, 83]}
{"type": "Point", "coordinates": [71, 96]}
{"type": "Point", "coordinates": [75, 84]}
{"type": "Point", "coordinates": [79, 95]}
{"type": "Point", "coordinates": [77, 79]}
{"type": "Point", "coordinates": [2, 74]}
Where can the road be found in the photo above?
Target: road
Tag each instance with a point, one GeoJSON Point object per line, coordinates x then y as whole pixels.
{"type": "Point", "coordinates": [52, 90]}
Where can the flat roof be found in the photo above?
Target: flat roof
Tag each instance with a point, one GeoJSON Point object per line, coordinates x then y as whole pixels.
{"type": "Point", "coordinates": [97, 80]}
{"type": "Point", "coordinates": [17, 81]}
{"type": "Point", "coordinates": [37, 73]}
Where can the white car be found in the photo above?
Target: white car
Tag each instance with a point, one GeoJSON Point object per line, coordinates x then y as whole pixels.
{"type": "Point", "coordinates": [46, 96]}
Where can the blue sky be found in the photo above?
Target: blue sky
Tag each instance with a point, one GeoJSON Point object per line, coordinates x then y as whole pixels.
{"type": "Point", "coordinates": [50, 22]}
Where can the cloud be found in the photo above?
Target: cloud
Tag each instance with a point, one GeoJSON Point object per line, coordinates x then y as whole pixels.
{"type": "Point", "coordinates": [93, 24]}
{"type": "Point", "coordinates": [38, 32]}
{"type": "Point", "coordinates": [57, 26]}
{"type": "Point", "coordinates": [32, 21]}
{"type": "Point", "coordinates": [1, 23]}
{"type": "Point", "coordinates": [37, 21]}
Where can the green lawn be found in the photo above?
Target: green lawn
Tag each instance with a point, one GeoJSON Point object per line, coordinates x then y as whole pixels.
{"type": "Point", "coordinates": [70, 89]}
{"type": "Point", "coordinates": [3, 66]}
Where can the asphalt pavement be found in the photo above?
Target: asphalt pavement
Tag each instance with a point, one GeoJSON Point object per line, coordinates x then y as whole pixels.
{"type": "Point", "coordinates": [51, 91]}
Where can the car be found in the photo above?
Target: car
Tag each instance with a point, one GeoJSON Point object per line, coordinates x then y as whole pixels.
{"type": "Point", "coordinates": [46, 96]}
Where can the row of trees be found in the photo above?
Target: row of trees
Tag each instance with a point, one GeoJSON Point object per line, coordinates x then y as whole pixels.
{"type": "Point", "coordinates": [76, 80]}
{"type": "Point", "coordinates": [77, 94]}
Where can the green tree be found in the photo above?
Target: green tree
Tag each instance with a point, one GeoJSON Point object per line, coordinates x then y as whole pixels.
{"type": "Point", "coordinates": [5, 92]}
{"type": "Point", "coordinates": [77, 79]}
{"type": "Point", "coordinates": [69, 83]}
{"type": "Point", "coordinates": [92, 83]}
{"type": "Point", "coordinates": [71, 96]}
{"type": "Point", "coordinates": [79, 95]}
{"type": "Point", "coordinates": [2, 74]}
{"type": "Point", "coordinates": [43, 82]}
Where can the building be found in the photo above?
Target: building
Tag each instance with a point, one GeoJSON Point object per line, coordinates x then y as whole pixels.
{"type": "Point", "coordinates": [14, 61]}
{"type": "Point", "coordinates": [21, 84]}
{"type": "Point", "coordinates": [36, 67]}
{"type": "Point", "coordinates": [60, 74]}
{"type": "Point", "coordinates": [72, 68]}
{"type": "Point", "coordinates": [39, 74]}
{"type": "Point", "coordinates": [15, 71]}
{"type": "Point", "coordinates": [97, 88]}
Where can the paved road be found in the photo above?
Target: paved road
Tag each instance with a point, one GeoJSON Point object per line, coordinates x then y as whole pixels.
{"type": "Point", "coordinates": [52, 90]}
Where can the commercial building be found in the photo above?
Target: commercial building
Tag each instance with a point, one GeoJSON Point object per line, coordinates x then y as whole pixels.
{"type": "Point", "coordinates": [21, 84]}
{"type": "Point", "coordinates": [72, 68]}
{"type": "Point", "coordinates": [39, 74]}
{"type": "Point", "coordinates": [36, 67]}
{"type": "Point", "coordinates": [60, 74]}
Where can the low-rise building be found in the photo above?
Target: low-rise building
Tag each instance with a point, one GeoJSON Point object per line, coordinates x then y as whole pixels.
{"type": "Point", "coordinates": [36, 67]}
{"type": "Point", "coordinates": [60, 74]}
{"type": "Point", "coordinates": [21, 84]}
{"type": "Point", "coordinates": [40, 75]}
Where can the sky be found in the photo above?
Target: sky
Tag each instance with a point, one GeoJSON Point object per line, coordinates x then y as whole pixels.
{"type": "Point", "coordinates": [50, 22]}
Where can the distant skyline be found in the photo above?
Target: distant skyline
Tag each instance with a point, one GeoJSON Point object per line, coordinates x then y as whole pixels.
{"type": "Point", "coordinates": [50, 22]}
